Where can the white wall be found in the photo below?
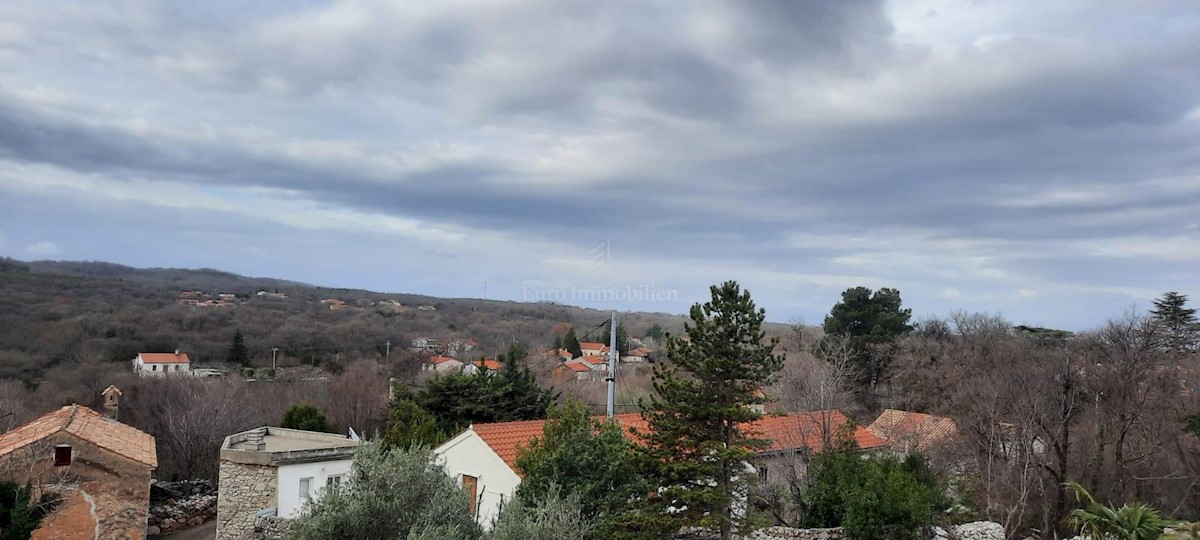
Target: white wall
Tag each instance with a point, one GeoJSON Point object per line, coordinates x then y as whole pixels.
{"type": "Point", "coordinates": [290, 504]}
{"type": "Point", "coordinates": [468, 454]}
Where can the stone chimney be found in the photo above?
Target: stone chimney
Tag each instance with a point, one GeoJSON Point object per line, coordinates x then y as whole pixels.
{"type": "Point", "coordinates": [112, 401]}
{"type": "Point", "coordinates": [176, 352]}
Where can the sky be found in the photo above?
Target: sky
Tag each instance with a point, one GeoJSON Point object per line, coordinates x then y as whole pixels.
{"type": "Point", "coordinates": [1038, 160]}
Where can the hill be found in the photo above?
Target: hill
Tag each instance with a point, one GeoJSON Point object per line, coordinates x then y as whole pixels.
{"type": "Point", "coordinates": [58, 313]}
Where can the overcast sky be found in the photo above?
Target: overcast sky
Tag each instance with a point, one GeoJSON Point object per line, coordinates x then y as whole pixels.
{"type": "Point", "coordinates": [1038, 159]}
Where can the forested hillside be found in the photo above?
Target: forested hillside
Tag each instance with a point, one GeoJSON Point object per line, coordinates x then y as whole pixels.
{"type": "Point", "coordinates": [65, 313]}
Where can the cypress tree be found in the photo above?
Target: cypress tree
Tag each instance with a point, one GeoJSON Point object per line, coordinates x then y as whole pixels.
{"type": "Point", "coordinates": [239, 354]}
{"type": "Point", "coordinates": [571, 343]}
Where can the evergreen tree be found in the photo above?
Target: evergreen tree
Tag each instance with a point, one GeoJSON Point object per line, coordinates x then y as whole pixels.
{"type": "Point", "coordinates": [622, 338]}
{"type": "Point", "coordinates": [694, 451]}
{"type": "Point", "coordinates": [306, 417]}
{"type": "Point", "coordinates": [238, 354]}
{"type": "Point", "coordinates": [1179, 323]}
{"type": "Point", "coordinates": [558, 343]}
{"type": "Point", "coordinates": [586, 457]}
{"type": "Point", "coordinates": [571, 343]}
{"type": "Point", "coordinates": [409, 426]}
{"type": "Point", "coordinates": [514, 390]}
{"type": "Point", "coordinates": [869, 319]}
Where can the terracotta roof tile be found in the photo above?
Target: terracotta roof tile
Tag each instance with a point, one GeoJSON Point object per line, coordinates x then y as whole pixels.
{"type": "Point", "coordinates": [164, 358]}
{"type": "Point", "coordinates": [918, 429]}
{"type": "Point", "coordinates": [492, 365]}
{"type": "Point", "coordinates": [88, 425]}
{"type": "Point", "coordinates": [441, 359]}
{"type": "Point", "coordinates": [577, 366]}
{"type": "Point", "coordinates": [787, 432]}
{"type": "Point", "coordinates": [592, 346]}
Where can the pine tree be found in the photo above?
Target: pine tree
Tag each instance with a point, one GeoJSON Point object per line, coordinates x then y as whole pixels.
{"type": "Point", "coordinates": [1179, 323]}
{"type": "Point", "coordinates": [622, 338]}
{"type": "Point", "coordinates": [306, 417]}
{"type": "Point", "coordinates": [238, 354]}
{"type": "Point", "coordinates": [693, 450]}
{"type": "Point", "coordinates": [869, 319]}
{"type": "Point", "coordinates": [571, 343]}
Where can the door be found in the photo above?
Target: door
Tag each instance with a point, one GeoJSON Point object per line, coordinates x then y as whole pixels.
{"type": "Point", "coordinates": [470, 487]}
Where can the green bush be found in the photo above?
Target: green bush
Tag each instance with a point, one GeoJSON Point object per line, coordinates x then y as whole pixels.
{"type": "Point", "coordinates": [305, 417]}
{"type": "Point", "coordinates": [872, 497]}
{"type": "Point", "coordinates": [19, 517]}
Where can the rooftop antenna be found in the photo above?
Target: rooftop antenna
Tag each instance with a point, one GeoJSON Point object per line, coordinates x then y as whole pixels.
{"type": "Point", "coordinates": [612, 365]}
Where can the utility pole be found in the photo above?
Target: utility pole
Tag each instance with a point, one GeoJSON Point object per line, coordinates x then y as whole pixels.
{"type": "Point", "coordinates": [612, 365]}
{"type": "Point", "coordinates": [274, 350]}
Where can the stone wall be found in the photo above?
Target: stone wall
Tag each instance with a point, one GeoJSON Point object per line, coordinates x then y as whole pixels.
{"type": "Point", "coordinates": [769, 533]}
{"type": "Point", "coordinates": [271, 528]}
{"type": "Point", "coordinates": [243, 490]}
{"type": "Point", "coordinates": [180, 505]}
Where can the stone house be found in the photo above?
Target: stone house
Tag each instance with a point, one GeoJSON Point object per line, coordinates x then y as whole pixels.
{"type": "Point", "coordinates": [592, 348]}
{"type": "Point", "coordinates": [162, 364]}
{"type": "Point", "coordinates": [909, 431]}
{"type": "Point", "coordinates": [442, 364]}
{"type": "Point", "coordinates": [275, 471]}
{"type": "Point", "coordinates": [99, 466]}
{"type": "Point", "coordinates": [575, 369]}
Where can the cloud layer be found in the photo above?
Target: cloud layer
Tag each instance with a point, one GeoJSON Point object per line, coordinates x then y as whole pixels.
{"type": "Point", "coordinates": [991, 156]}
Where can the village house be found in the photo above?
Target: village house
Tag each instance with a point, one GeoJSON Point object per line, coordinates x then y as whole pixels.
{"type": "Point", "coordinates": [100, 467]}
{"type": "Point", "coordinates": [162, 364]}
{"type": "Point", "coordinates": [574, 369]}
{"type": "Point", "coordinates": [271, 472]}
{"type": "Point", "coordinates": [595, 363]}
{"type": "Point", "coordinates": [335, 304]}
{"type": "Point", "coordinates": [461, 346]}
{"type": "Point", "coordinates": [592, 348]}
{"type": "Point", "coordinates": [640, 354]}
{"type": "Point", "coordinates": [482, 459]}
{"type": "Point", "coordinates": [426, 308]}
{"type": "Point", "coordinates": [442, 364]}
{"type": "Point", "coordinates": [271, 295]}
{"type": "Point", "coordinates": [426, 344]}
{"type": "Point", "coordinates": [488, 364]}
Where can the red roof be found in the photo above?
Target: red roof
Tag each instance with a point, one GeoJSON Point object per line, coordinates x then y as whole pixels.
{"type": "Point", "coordinates": [577, 366]}
{"type": "Point", "coordinates": [88, 425]}
{"type": "Point", "coordinates": [593, 359]}
{"type": "Point", "coordinates": [487, 363]}
{"type": "Point", "coordinates": [787, 432]}
{"type": "Point", "coordinates": [592, 346]}
{"type": "Point", "coordinates": [441, 359]}
{"type": "Point", "coordinates": [164, 358]}
{"type": "Point", "coordinates": [918, 429]}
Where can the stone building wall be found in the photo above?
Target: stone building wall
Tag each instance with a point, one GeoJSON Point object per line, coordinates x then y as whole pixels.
{"type": "Point", "coordinates": [99, 482]}
{"type": "Point", "coordinates": [242, 491]}
{"type": "Point", "coordinates": [271, 528]}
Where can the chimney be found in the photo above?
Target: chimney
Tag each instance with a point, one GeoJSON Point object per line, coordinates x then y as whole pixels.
{"type": "Point", "coordinates": [176, 352]}
{"type": "Point", "coordinates": [112, 401]}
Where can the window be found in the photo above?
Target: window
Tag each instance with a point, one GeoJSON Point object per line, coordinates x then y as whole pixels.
{"type": "Point", "coordinates": [305, 488]}
{"type": "Point", "coordinates": [62, 455]}
{"type": "Point", "coordinates": [153, 367]}
{"type": "Point", "coordinates": [762, 473]}
{"type": "Point", "coordinates": [470, 487]}
{"type": "Point", "coordinates": [176, 368]}
{"type": "Point", "coordinates": [333, 481]}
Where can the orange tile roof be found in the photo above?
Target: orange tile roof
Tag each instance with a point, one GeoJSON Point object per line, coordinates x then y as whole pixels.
{"type": "Point", "coordinates": [593, 359]}
{"type": "Point", "coordinates": [88, 425]}
{"type": "Point", "coordinates": [577, 366]}
{"type": "Point", "coordinates": [164, 358]}
{"type": "Point", "coordinates": [441, 359]}
{"type": "Point", "coordinates": [787, 432]}
{"type": "Point", "coordinates": [592, 346]}
{"type": "Point", "coordinates": [487, 363]}
{"type": "Point", "coordinates": [919, 429]}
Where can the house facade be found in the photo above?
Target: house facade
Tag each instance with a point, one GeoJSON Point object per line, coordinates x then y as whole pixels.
{"type": "Point", "coordinates": [275, 471]}
{"type": "Point", "coordinates": [442, 364]}
{"type": "Point", "coordinates": [483, 457]}
{"type": "Point", "coordinates": [574, 370]}
{"type": "Point", "coordinates": [100, 467]}
{"type": "Point", "coordinates": [162, 364]}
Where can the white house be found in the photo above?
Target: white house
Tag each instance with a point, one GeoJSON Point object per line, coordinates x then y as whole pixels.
{"type": "Point", "coordinates": [270, 470]}
{"type": "Point", "coordinates": [483, 458]}
{"type": "Point", "coordinates": [592, 348]}
{"type": "Point", "coordinates": [162, 364]}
